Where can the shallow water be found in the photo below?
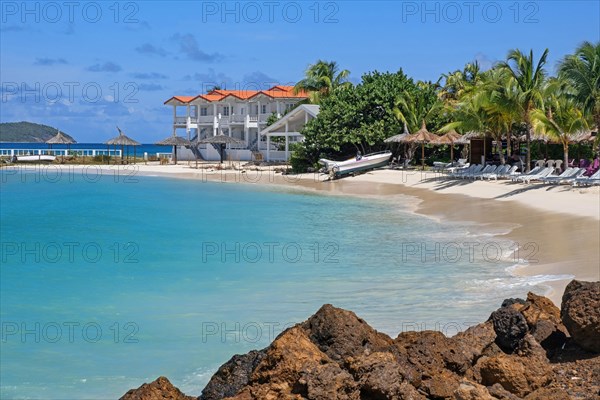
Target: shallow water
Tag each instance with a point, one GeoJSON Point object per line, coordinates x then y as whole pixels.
{"type": "Point", "coordinates": [108, 282]}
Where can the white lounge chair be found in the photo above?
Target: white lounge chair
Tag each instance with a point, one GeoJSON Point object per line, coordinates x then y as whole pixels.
{"type": "Point", "coordinates": [556, 178]}
{"type": "Point", "coordinates": [499, 171]}
{"type": "Point", "coordinates": [534, 171]}
{"type": "Point", "coordinates": [542, 174]}
{"type": "Point", "coordinates": [458, 173]}
{"type": "Point", "coordinates": [587, 181]}
{"type": "Point", "coordinates": [468, 174]}
{"type": "Point", "coordinates": [487, 170]}
{"type": "Point", "coordinates": [512, 171]}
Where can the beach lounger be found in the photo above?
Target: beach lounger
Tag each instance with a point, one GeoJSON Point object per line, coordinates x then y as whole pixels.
{"type": "Point", "coordinates": [499, 171]}
{"type": "Point", "coordinates": [509, 172]}
{"type": "Point", "coordinates": [457, 173]}
{"type": "Point", "coordinates": [542, 174]}
{"type": "Point", "coordinates": [534, 171]}
{"type": "Point", "coordinates": [575, 173]}
{"type": "Point", "coordinates": [487, 170]}
{"type": "Point", "coordinates": [456, 168]}
{"type": "Point", "coordinates": [556, 179]}
{"type": "Point", "coordinates": [476, 168]}
{"type": "Point", "coordinates": [587, 181]}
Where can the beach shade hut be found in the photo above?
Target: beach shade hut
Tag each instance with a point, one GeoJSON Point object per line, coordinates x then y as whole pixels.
{"type": "Point", "coordinates": [222, 141]}
{"type": "Point", "coordinates": [466, 139]}
{"type": "Point", "coordinates": [174, 141]}
{"type": "Point", "coordinates": [450, 138]}
{"type": "Point", "coordinates": [422, 137]}
{"type": "Point", "coordinates": [60, 138]}
{"type": "Point", "coordinates": [123, 141]}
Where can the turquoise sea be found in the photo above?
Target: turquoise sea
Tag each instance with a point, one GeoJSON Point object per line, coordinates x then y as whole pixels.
{"type": "Point", "coordinates": [109, 282]}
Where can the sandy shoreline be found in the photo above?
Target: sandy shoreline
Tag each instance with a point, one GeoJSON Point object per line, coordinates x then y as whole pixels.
{"type": "Point", "coordinates": [557, 228]}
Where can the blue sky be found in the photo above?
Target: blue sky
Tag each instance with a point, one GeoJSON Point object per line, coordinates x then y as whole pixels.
{"type": "Point", "coordinates": [85, 67]}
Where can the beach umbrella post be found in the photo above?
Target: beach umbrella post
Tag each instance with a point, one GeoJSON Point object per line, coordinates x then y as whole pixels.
{"type": "Point", "coordinates": [122, 140]}
{"type": "Point", "coordinates": [422, 136]}
{"type": "Point", "coordinates": [174, 141]}
{"type": "Point", "coordinates": [60, 138]}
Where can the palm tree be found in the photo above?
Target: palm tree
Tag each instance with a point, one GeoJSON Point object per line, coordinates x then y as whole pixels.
{"type": "Point", "coordinates": [414, 108]}
{"type": "Point", "coordinates": [528, 78]}
{"type": "Point", "coordinates": [582, 71]}
{"type": "Point", "coordinates": [488, 108]}
{"type": "Point", "coordinates": [561, 120]}
{"type": "Point", "coordinates": [459, 83]}
{"type": "Point", "coordinates": [322, 78]}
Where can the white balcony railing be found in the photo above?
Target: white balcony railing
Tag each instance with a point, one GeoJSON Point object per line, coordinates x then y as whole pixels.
{"type": "Point", "coordinates": [238, 118]}
{"type": "Point", "coordinates": [181, 120]}
{"type": "Point", "coordinates": [204, 119]}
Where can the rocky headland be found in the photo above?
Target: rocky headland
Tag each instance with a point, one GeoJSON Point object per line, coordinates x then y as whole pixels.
{"type": "Point", "coordinates": [527, 349]}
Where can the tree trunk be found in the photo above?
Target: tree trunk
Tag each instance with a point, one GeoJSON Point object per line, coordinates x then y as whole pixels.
{"type": "Point", "coordinates": [566, 154]}
{"type": "Point", "coordinates": [508, 146]}
{"type": "Point", "coordinates": [528, 140]}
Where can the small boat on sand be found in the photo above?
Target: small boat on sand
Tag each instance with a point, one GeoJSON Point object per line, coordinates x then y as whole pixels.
{"type": "Point", "coordinates": [336, 169]}
{"type": "Point", "coordinates": [34, 158]}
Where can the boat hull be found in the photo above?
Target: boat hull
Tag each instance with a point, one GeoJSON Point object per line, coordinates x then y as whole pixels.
{"type": "Point", "coordinates": [34, 158]}
{"type": "Point", "coordinates": [367, 162]}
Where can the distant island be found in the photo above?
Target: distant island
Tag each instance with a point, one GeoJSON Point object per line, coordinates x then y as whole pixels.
{"type": "Point", "coordinates": [26, 132]}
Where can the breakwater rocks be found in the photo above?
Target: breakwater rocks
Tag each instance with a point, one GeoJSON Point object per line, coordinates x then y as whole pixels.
{"type": "Point", "coordinates": [527, 349]}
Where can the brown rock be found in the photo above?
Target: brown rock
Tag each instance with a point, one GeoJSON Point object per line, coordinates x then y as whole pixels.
{"type": "Point", "coordinates": [477, 338]}
{"type": "Point", "coordinates": [160, 389]}
{"type": "Point", "coordinates": [518, 375]}
{"type": "Point", "coordinates": [468, 390]}
{"type": "Point", "coordinates": [340, 333]}
{"type": "Point", "coordinates": [510, 327]}
{"type": "Point", "coordinates": [430, 351]}
{"type": "Point", "coordinates": [580, 312]}
{"type": "Point", "coordinates": [294, 367]}
{"type": "Point", "coordinates": [543, 319]}
{"type": "Point", "coordinates": [383, 375]}
{"type": "Point", "coordinates": [498, 392]}
{"type": "Point", "coordinates": [232, 376]}
{"type": "Point", "coordinates": [438, 359]}
{"type": "Point", "coordinates": [548, 394]}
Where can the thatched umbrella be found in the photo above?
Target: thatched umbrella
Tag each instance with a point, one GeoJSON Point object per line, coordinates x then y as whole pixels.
{"type": "Point", "coordinates": [221, 140]}
{"type": "Point", "coordinates": [449, 138]}
{"type": "Point", "coordinates": [60, 138]}
{"type": "Point", "coordinates": [174, 141]}
{"type": "Point", "coordinates": [422, 136]}
{"type": "Point", "coordinates": [123, 140]}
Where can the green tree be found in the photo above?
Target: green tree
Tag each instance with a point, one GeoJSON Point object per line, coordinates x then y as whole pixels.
{"type": "Point", "coordinates": [459, 83]}
{"type": "Point", "coordinates": [582, 71]}
{"type": "Point", "coordinates": [356, 117]}
{"type": "Point", "coordinates": [561, 119]}
{"type": "Point", "coordinates": [321, 79]}
{"type": "Point", "coordinates": [528, 77]}
{"type": "Point", "coordinates": [416, 107]}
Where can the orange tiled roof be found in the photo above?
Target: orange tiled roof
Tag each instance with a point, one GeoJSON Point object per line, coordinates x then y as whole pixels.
{"type": "Point", "coordinates": [183, 99]}
{"type": "Point", "coordinates": [277, 91]}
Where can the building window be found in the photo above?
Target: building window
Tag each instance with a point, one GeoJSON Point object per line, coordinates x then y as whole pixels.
{"type": "Point", "coordinates": [226, 111]}
{"type": "Point", "coordinates": [242, 110]}
{"type": "Point", "coordinates": [203, 111]}
{"type": "Point", "coordinates": [263, 109]}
